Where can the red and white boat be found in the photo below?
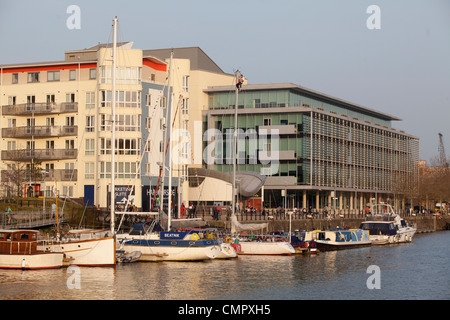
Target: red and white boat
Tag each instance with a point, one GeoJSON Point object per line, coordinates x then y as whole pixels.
{"type": "Point", "coordinates": [18, 250]}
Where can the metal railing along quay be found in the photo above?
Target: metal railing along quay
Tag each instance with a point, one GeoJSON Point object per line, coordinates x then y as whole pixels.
{"type": "Point", "coordinates": [29, 219]}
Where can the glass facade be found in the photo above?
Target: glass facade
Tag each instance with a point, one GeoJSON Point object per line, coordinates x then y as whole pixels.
{"type": "Point", "coordinates": [282, 98]}
{"type": "Point", "coordinates": [322, 145]}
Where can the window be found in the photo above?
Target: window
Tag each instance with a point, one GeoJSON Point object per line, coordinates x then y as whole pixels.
{"type": "Point", "coordinates": [90, 147]}
{"type": "Point", "coordinates": [185, 106]}
{"type": "Point", "coordinates": [128, 122]}
{"type": "Point", "coordinates": [105, 122]}
{"type": "Point", "coordinates": [90, 100]}
{"type": "Point", "coordinates": [185, 83]}
{"type": "Point", "coordinates": [124, 75]}
{"type": "Point", "coordinates": [11, 100]}
{"type": "Point", "coordinates": [53, 75]}
{"type": "Point", "coordinates": [70, 97]}
{"type": "Point", "coordinates": [49, 144]}
{"type": "Point", "coordinates": [50, 99]}
{"type": "Point", "coordinates": [124, 170]}
{"type": "Point", "coordinates": [92, 73]}
{"type": "Point", "coordinates": [11, 145]}
{"type": "Point", "coordinates": [11, 123]}
{"type": "Point", "coordinates": [33, 77]}
{"type": "Point", "coordinates": [72, 75]}
{"type": "Point", "coordinates": [267, 121]}
{"type": "Point", "coordinates": [68, 191]}
{"type": "Point", "coordinates": [148, 99]}
{"type": "Point", "coordinates": [124, 99]}
{"type": "Point", "coordinates": [50, 122]}
{"type": "Point", "coordinates": [90, 123]}
{"type": "Point", "coordinates": [70, 121]}
{"type": "Point", "coordinates": [89, 170]}
{"type": "Point", "coordinates": [123, 146]}
{"type": "Point", "coordinates": [70, 144]}
{"type": "Point", "coordinates": [15, 78]}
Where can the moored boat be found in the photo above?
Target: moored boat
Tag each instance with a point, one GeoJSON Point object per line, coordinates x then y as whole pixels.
{"type": "Point", "coordinates": [303, 242]}
{"type": "Point", "coordinates": [84, 247]}
{"type": "Point", "coordinates": [189, 245]}
{"type": "Point", "coordinates": [262, 245]}
{"type": "Point", "coordinates": [18, 250]}
{"type": "Point", "coordinates": [387, 227]}
{"type": "Point", "coordinates": [338, 239]}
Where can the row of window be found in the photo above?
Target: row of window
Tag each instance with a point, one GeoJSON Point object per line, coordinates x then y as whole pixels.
{"type": "Point", "coordinates": [33, 77]}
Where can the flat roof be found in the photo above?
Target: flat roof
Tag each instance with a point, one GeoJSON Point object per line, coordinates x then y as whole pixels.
{"type": "Point", "coordinates": [46, 63]}
{"type": "Point", "coordinates": [306, 91]}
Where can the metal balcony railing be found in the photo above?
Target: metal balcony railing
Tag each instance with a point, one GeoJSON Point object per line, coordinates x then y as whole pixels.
{"type": "Point", "coordinates": [27, 109]}
{"type": "Point", "coordinates": [51, 175]}
{"type": "Point", "coordinates": [41, 154]}
{"type": "Point", "coordinates": [39, 131]}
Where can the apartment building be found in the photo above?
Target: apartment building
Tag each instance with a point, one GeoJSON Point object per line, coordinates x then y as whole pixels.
{"type": "Point", "coordinates": [56, 121]}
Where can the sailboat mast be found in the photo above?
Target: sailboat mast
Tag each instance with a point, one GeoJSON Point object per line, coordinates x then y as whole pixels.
{"type": "Point", "coordinates": [169, 207]}
{"type": "Point", "coordinates": [237, 73]}
{"type": "Point", "coordinates": [113, 134]}
{"type": "Point", "coordinates": [166, 134]}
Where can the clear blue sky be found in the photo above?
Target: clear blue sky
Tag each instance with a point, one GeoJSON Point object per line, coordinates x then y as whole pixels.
{"type": "Point", "coordinates": [402, 69]}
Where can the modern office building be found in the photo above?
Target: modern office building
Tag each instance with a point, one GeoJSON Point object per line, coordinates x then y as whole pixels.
{"type": "Point", "coordinates": [322, 150]}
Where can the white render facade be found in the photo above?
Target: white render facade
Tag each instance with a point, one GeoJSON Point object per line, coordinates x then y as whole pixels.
{"type": "Point", "coordinates": [56, 120]}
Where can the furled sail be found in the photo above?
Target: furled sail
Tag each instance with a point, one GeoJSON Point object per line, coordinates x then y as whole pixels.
{"type": "Point", "coordinates": [236, 226]}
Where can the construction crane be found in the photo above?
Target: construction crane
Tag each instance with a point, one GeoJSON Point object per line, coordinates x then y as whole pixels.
{"type": "Point", "coordinates": [442, 158]}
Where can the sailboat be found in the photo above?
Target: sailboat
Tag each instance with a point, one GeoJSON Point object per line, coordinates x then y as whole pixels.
{"type": "Point", "coordinates": [90, 247]}
{"type": "Point", "coordinates": [251, 245]}
{"type": "Point", "coordinates": [157, 243]}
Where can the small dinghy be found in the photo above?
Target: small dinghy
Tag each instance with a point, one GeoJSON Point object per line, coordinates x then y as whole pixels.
{"type": "Point", "coordinates": [129, 257]}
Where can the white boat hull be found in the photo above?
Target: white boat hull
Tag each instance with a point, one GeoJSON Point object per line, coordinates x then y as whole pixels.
{"type": "Point", "coordinates": [226, 251]}
{"type": "Point", "coordinates": [265, 248]}
{"type": "Point", "coordinates": [400, 237]}
{"type": "Point", "coordinates": [95, 252]}
{"type": "Point", "coordinates": [45, 260]}
{"type": "Point", "coordinates": [177, 253]}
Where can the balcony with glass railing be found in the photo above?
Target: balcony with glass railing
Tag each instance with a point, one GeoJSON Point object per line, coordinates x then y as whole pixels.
{"type": "Point", "coordinates": [29, 132]}
{"type": "Point", "coordinates": [50, 175]}
{"type": "Point", "coordinates": [27, 109]}
{"type": "Point", "coordinates": [41, 154]}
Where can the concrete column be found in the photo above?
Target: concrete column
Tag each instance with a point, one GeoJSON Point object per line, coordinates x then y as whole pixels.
{"type": "Point", "coordinates": [304, 200]}
{"type": "Point", "coordinates": [317, 200]}
{"type": "Point", "coordinates": [351, 201]}
{"type": "Point", "coordinates": [340, 201]}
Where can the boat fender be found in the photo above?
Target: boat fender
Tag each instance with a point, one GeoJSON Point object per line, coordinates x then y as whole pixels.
{"type": "Point", "coordinates": [306, 244]}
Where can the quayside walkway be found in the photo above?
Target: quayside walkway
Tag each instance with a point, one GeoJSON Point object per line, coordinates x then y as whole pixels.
{"type": "Point", "coordinates": [29, 219]}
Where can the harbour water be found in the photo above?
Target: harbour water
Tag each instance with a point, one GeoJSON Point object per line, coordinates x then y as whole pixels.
{"type": "Point", "coordinates": [418, 270]}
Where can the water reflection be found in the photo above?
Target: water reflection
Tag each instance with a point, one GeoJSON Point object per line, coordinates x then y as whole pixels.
{"type": "Point", "coordinates": [409, 271]}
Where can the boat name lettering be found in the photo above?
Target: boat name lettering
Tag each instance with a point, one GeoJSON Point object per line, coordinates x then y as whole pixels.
{"type": "Point", "coordinates": [173, 235]}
